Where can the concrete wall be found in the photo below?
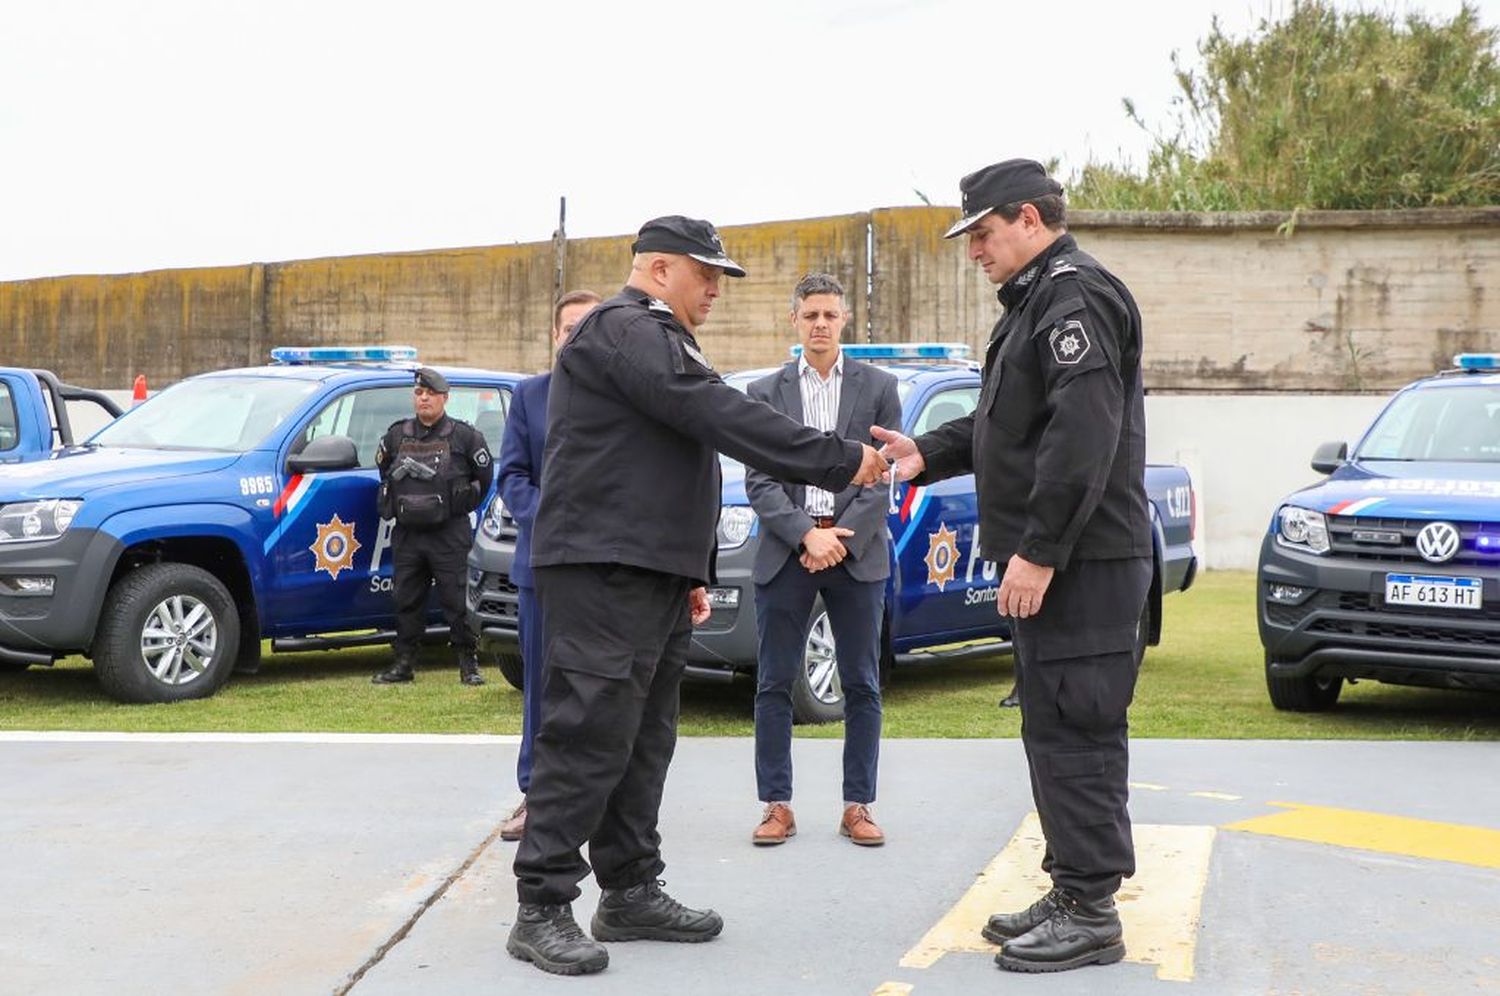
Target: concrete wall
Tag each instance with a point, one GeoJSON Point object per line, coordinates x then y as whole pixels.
{"type": "Point", "coordinates": [1246, 452]}
{"type": "Point", "coordinates": [1340, 301]}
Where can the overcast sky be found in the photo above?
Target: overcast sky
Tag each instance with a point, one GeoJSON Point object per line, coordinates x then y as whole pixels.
{"type": "Point", "coordinates": [138, 134]}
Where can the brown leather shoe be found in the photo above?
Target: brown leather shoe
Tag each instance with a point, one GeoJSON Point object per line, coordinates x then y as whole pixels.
{"type": "Point", "coordinates": [514, 828]}
{"type": "Point", "coordinates": [776, 825]}
{"type": "Point", "coordinates": [859, 827]}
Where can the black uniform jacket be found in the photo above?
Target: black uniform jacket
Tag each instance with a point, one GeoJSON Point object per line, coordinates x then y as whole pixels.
{"type": "Point", "coordinates": [634, 416]}
{"type": "Point", "coordinates": [1057, 443]}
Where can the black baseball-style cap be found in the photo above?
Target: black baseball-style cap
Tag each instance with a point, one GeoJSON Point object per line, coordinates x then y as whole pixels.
{"type": "Point", "coordinates": [686, 237]}
{"type": "Point", "coordinates": [1002, 183]}
{"type": "Point", "coordinates": [432, 380]}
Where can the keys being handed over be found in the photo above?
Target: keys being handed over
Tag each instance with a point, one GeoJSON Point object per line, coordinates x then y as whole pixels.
{"type": "Point", "coordinates": [823, 548]}
{"type": "Point", "coordinates": [906, 460]}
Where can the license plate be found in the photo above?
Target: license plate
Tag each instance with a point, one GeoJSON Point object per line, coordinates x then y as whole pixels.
{"type": "Point", "coordinates": [1433, 591]}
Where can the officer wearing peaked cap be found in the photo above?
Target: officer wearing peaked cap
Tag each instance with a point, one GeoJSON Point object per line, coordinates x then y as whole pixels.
{"type": "Point", "coordinates": [622, 547]}
{"type": "Point", "coordinates": [1057, 449]}
{"type": "Point", "coordinates": [434, 470]}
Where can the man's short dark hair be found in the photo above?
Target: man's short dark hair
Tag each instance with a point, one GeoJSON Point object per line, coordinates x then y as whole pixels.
{"type": "Point", "coordinates": [816, 283]}
{"type": "Point", "coordinates": [573, 297]}
{"type": "Point", "coordinates": [1051, 207]}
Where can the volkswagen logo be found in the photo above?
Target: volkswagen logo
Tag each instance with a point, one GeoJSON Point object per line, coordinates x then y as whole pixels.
{"type": "Point", "coordinates": [1437, 542]}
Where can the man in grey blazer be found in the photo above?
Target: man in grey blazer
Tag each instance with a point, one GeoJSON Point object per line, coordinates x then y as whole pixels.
{"type": "Point", "coordinates": [814, 543]}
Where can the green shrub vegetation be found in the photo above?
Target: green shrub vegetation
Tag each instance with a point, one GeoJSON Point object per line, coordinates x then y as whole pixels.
{"type": "Point", "coordinates": [1323, 109]}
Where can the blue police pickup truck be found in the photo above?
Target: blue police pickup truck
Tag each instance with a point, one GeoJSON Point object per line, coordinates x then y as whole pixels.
{"type": "Point", "coordinates": [1389, 569]}
{"type": "Point", "coordinates": [941, 602]}
{"type": "Point", "coordinates": [233, 506]}
{"type": "Point", "coordinates": [34, 412]}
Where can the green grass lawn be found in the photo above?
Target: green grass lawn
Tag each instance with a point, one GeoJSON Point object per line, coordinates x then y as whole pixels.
{"type": "Point", "coordinates": [1204, 681]}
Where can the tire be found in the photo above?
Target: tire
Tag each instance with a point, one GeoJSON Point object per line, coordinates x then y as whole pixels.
{"type": "Point", "coordinates": [1310, 694]}
{"type": "Point", "coordinates": [513, 669]}
{"type": "Point", "coordinates": [167, 632]}
{"type": "Point", "coordinates": [817, 695]}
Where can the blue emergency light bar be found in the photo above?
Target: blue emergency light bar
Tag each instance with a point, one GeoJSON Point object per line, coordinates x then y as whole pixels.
{"type": "Point", "coordinates": [342, 354]}
{"type": "Point", "coordinates": [902, 350]}
{"type": "Point", "coordinates": [1477, 361]}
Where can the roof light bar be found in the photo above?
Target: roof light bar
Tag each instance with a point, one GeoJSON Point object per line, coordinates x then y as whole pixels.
{"type": "Point", "coordinates": [1477, 361]}
{"type": "Point", "coordinates": [342, 354]}
{"type": "Point", "coordinates": [902, 350]}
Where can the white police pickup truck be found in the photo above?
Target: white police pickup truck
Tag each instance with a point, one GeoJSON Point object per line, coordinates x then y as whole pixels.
{"type": "Point", "coordinates": [1389, 569]}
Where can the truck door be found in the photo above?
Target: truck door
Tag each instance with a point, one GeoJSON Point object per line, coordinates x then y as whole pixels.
{"type": "Point", "coordinates": [330, 551]}
{"type": "Point", "coordinates": [946, 591]}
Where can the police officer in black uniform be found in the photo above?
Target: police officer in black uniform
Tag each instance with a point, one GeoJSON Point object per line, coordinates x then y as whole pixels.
{"type": "Point", "coordinates": [1057, 449]}
{"type": "Point", "coordinates": [434, 469]}
{"type": "Point", "coordinates": [622, 546]}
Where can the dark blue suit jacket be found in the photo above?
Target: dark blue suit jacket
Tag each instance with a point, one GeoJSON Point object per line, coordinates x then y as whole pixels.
{"type": "Point", "coordinates": [521, 466]}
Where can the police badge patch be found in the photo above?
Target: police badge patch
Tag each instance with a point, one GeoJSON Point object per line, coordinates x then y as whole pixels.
{"type": "Point", "coordinates": [482, 458]}
{"type": "Point", "coordinates": [1069, 342]}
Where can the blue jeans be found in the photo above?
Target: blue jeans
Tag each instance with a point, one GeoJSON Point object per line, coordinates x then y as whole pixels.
{"type": "Point", "coordinates": [855, 610]}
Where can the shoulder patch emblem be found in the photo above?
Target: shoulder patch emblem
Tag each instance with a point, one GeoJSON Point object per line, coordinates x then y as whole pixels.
{"type": "Point", "coordinates": [1069, 342]}
{"type": "Point", "coordinates": [696, 356]}
{"type": "Point", "coordinates": [482, 457]}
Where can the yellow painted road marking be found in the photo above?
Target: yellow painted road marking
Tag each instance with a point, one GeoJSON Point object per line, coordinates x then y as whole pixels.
{"type": "Point", "coordinates": [1148, 786]}
{"type": "Point", "coordinates": [1160, 906]}
{"type": "Point", "coordinates": [1219, 796]}
{"type": "Point", "coordinates": [1467, 845]}
{"type": "Point", "coordinates": [893, 989]}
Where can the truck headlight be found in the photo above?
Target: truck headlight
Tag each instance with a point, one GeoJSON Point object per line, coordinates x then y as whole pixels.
{"type": "Point", "coordinates": [23, 521]}
{"type": "Point", "coordinates": [736, 523]}
{"type": "Point", "coordinates": [1302, 528]}
{"type": "Point", "coordinates": [493, 522]}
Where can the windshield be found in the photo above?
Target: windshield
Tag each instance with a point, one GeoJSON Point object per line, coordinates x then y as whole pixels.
{"type": "Point", "coordinates": [1459, 423]}
{"type": "Point", "coordinates": [232, 414]}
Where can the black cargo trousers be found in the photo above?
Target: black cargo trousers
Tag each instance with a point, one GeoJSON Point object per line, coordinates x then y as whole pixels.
{"type": "Point", "coordinates": [616, 642]}
{"type": "Point", "coordinates": [1075, 674]}
{"type": "Point", "coordinates": [424, 560]}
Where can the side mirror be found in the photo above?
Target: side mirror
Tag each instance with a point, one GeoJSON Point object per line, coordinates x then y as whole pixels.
{"type": "Point", "coordinates": [1329, 457]}
{"type": "Point", "coordinates": [324, 453]}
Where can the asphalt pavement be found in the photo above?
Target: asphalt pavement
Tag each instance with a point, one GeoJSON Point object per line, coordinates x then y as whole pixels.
{"type": "Point", "coordinates": [372, 865]}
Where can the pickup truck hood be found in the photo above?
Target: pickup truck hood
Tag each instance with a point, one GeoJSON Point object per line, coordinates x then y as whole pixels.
{"type": "Point", "coordinates": [1393, 489]}
{"type": "Point", "coordinates": [78, 471]}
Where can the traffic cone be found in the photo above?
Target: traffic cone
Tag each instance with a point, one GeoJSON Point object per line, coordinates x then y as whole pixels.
{"type": "Point", "coordinates": [138, 393]}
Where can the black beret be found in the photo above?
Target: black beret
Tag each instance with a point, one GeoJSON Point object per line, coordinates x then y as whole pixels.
{"type": "Point", "coordinates": [686, 237]}
{"type": "Point", "coordinates": [432, 380]}
{"type": "Point", "coordinates": [1002, 183]}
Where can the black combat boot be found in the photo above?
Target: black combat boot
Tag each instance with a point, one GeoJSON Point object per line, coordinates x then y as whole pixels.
{"type": "Point", "coordinates": [549, 938]}
{"type": "Point", "coordinates": [1003, 926]}
{"type": "Point", "coordinates": [1078, 932]}
{"type": "Point", "coordinates": [645, 913]}
{"type": "Point", "coordinates": [399, 671]}
{"type": "Point", "coordinates": [468, 668]}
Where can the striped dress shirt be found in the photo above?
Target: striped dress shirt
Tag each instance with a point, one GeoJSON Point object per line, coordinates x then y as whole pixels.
{"type": "Point", "coordinates": [820, 409]}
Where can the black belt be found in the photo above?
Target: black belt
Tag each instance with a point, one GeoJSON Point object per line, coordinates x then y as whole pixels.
{"type": "Point", "coordinates": [824, 521]}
